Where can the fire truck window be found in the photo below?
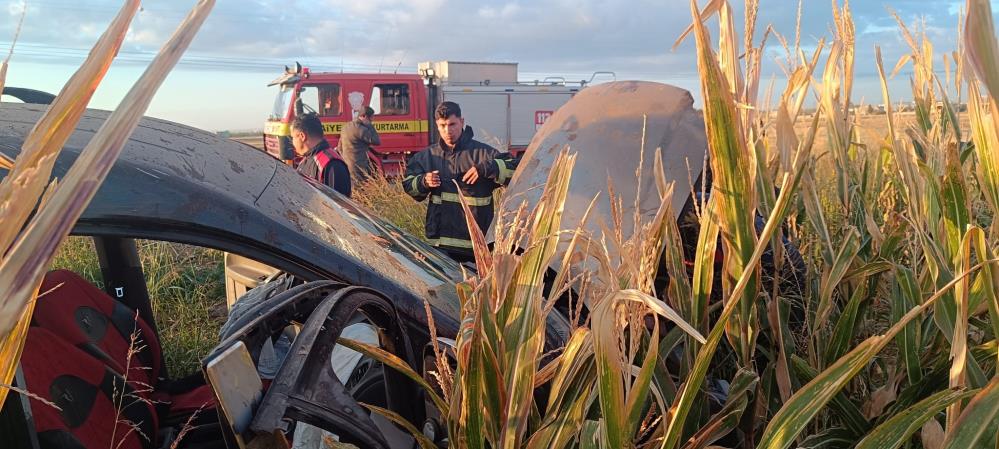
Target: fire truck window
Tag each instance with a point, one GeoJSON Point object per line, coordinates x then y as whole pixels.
{"type": "Point", "coordinates": [376, 100]}
{"type": "Point", "coordinates": [329, 100]}
{"type": "Point", "coordinates": [310, 98]}
{"type": "Point", "coordinates": [390, 99]}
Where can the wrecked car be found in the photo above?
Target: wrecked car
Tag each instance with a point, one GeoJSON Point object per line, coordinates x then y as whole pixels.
{"type": "Point", "coordinates": [332, 261]}
{"type": "Point", "coordinates": [305, 265]}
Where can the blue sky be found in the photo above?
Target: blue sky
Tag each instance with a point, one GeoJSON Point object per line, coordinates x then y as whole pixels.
{"type": "Point", "coordinates": [221, 83]}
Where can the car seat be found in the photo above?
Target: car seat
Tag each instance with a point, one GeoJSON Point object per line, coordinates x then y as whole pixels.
{"type": "Point", "coordinates": [101, 364]}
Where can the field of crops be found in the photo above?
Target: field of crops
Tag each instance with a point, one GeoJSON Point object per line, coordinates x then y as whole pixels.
{"type": "Point", "coordinates": [891, 342]}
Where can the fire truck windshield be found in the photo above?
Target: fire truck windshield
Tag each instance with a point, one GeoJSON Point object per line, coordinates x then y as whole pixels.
{"type": "Point", "coordinates": [283, 102]}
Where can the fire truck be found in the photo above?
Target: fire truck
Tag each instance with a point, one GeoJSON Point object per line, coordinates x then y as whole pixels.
{"type": "Point", "coordinates": [503, 111]}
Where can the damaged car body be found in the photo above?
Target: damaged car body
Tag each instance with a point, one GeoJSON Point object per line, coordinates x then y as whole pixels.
{"type": "Point", "coordinates": [334, 264]}
{"type": "Point", "coordinates": [335, 261]}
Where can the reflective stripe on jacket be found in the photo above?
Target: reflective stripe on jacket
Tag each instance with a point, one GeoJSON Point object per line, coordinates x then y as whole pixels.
{"type": "Point", "coordinates": [445, 223]}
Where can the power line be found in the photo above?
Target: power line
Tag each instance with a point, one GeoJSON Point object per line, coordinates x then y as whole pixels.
{"type": "Point", "coordinates": [56, 54]}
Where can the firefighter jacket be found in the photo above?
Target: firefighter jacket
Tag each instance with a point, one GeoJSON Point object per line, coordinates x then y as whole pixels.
{"type": "Point", "coordinates": [324, 165]}
{"type": "Point", "coordinates": [445, 225]}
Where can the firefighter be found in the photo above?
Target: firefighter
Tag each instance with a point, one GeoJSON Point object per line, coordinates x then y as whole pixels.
{"type": "Point", "coordinates": [316, 159]}
{"type": "Point", "coordinates": [356, 140]}
{"type": "Point", "coordinates": [456, 163]}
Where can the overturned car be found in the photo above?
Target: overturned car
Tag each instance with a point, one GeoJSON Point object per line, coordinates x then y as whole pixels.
{"type": "Point", "coordinates": [321, 265]}
{"type": "Point", "coordinates": [334, 265]}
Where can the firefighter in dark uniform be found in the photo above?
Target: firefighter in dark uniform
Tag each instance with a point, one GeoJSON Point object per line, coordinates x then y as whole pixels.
{"type": "Point", "coordinates": [456, 163]}
{"type": "Point", "coordinates": [316, 159]}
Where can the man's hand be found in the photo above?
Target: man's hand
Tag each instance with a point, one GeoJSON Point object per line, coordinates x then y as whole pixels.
{"type": "Point", "coordinates": [471, 176]}
{"type": "Point", "coordinates": [432, 179]}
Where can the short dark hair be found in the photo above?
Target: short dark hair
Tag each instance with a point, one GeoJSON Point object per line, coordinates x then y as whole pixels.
{"type": "Point", "coordinates": [447, 109]}
{"type": "Point", "coordinates": [309, 124]}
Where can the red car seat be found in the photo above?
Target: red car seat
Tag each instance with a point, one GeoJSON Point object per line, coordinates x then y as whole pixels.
{"type": "Point", "coordinates": [80, 355]}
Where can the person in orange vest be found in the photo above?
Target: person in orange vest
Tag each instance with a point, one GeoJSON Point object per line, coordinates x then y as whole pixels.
{"type": "Point", "coordinates": [316, 159]}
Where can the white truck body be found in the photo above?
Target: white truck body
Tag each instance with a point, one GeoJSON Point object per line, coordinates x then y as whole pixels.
{"type": "Point", "coordinates": [502, 111]}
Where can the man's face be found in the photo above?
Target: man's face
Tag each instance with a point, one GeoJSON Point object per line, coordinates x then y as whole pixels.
{"type": "Point", "coordinates": [299, 142]}
{"type": "Point", "coordinates": [450, 129]}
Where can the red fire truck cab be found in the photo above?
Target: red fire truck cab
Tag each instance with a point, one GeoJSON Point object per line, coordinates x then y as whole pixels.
{"type": "Point", "coordinates": [503, 112]}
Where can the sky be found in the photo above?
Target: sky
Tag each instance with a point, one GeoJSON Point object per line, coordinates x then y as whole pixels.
{"type": "Point", "coordinates": [220, 84]}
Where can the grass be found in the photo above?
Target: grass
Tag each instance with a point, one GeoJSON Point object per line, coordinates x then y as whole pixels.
{"type": "Point", "coordinates": [388, 199]}
{"type": "Point", "coordinates": [187, 289]}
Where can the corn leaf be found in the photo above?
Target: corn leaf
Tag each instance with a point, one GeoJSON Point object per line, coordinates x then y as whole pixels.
{"type": "Point", "coordinates": [21, 188]}
{"type": "Point", "coordinates": [809, 400]}
{"type": "Point", "coordinates": [906, 295]}
{"type": "Point", "coordinates": [976, 427]}
{"type": "Point", "coordinates": [28, 258]}
{"type": "Point", "coordinates": [844, 409]}
{"type": "Point", "coordinates": [685, 401]}
{"type": "Point", "coordinates": [733, 187]}
{"type": "Point", "coordinates": [723, 422]}
{"type": "Point", "coordinates": [985, 132]}
{"type": "Point", "coordinates": [845, 326]}
{"type": "Point", "coordinates": [570, 396]}
{"type": "Point", "coordinates": [899, 429]}
{"type": "Point", "coordinates": [394, 362]}
{"type": "Point", "coordinates": [420, 438]}
{"type": "Point", "coordinates": [704, 267]}
{"type": "Point", "coordinates": [834, 274]}
{"type": "Point", "coordinates": [980, 41]}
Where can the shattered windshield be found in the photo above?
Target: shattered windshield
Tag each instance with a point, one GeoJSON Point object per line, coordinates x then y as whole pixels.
{"type": "Point", "coordinates": [282, 102]}
{"type": "Point", "coordinates": [398, 242]}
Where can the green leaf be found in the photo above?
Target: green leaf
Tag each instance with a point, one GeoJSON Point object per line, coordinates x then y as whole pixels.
{"type": "Point", "coordinates": [955, 205]}
{"type": "Point", "coordinates": [639, 396]}
{"type": "Point", "coordinates": [976, 427]}
{"type": "Point", "coordinates": [571, 394]}
{"type": "Point", "coordinates": [906, 294]}
{"type": "Point", "coordinates": [685, 401]}
{"type": "Point", "coordinates": [420, 438]}
{"type": "Point", "coordinates": [704, 263]}
{"type": "Point", "coordinates": [844, 331]}
{"type": "Point", "coordinates": [734, 190]}
{"type": "Point", "coordinates": [834, 438]}
{"type": "Point", "coordinates": [723, 422]}
{"type": "Point", "coordinates": [592, 437]}
{"type": "Point", "coordinates": [899, 429]}
{"type": "Point", "coordinates": [811, 398]}
{"type": "Point", "coordinates": [834, 275]}
{"type": "Point", "coordinates": [845, 410]}
{"type": "Point", "coordinates": [394, 362]}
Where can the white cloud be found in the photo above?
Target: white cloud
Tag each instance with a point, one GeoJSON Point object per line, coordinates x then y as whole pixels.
{"type": "Point", "coordinates": [547, 37]}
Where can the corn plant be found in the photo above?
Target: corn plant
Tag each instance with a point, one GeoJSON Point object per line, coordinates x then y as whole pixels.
{"type": "Point", "coordinates": [898, 261]}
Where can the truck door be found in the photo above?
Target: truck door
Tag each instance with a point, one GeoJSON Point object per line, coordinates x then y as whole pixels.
{"type": "Point", "coordinates": [399, 122]}
{"type": "Point", "coordinates": [326, 100]}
